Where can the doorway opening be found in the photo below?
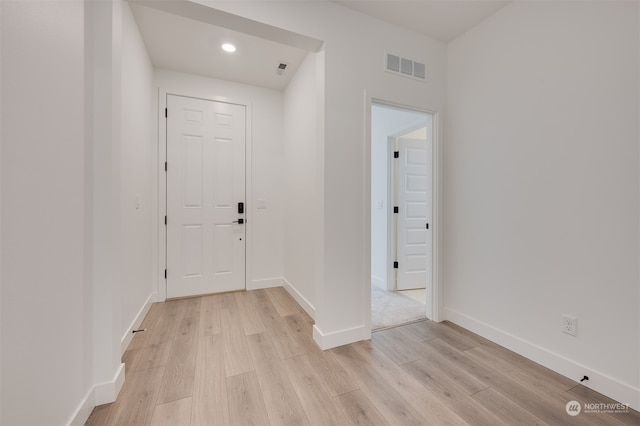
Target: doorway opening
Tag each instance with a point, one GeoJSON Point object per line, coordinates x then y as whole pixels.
{"type": "Point", "coordinates": [401, 215]}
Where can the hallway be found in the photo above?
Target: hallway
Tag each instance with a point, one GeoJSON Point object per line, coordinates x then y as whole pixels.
{"type": "Point", "coordinates": [249, 358]}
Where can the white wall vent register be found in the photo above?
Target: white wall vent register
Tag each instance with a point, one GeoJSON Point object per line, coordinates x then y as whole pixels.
{"type": "Point", "coordinates": [405, 67]}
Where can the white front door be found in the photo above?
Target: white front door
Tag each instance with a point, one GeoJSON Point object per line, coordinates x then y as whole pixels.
{"type": "Point", "coordinates": [414, 192]}
{"type": "Point", "coordinates": [205, 184]}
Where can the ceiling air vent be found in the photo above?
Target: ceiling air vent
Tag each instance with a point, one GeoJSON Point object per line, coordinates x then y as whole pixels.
{"type": "Point", "coordinates": [281, 67]}
{"type": "Point", "coordinates": [405, 67]}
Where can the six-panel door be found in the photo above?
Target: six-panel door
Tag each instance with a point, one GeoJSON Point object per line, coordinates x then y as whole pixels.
{"type": "Point", "coordinates": [205, 183]}
{"type": "Point", "coordinates": [414, 186]}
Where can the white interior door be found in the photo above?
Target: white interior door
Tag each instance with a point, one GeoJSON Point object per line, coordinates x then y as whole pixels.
{"type": "Point", "coordinates": [205, 183]}
{"type": "Point", "coordinates": [414, 198]}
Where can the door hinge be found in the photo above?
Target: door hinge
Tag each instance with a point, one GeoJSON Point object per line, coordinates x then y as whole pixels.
{"type": "Point", "coordinates": [396, 154]}
{"type": "Point", "coordinates": [166, 112]}
{"type": "Point", "coordinates": [165, 221]}
{"type": "Point", "coordinates": [395, 209]}
{"type": "Point", "coordinates": [165, 274]}
{"type": "Point", "coordinates": [395, 265]}
{"type": "Point", "coordinates": [165, 166]}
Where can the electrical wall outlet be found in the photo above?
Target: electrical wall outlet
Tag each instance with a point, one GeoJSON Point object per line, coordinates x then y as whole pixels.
{"type": "Point", "coordinates": [569, 324]}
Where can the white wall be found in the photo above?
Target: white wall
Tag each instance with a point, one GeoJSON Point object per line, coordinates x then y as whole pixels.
{"type": "Point", "coordinates": [71, 155]}
{"type": "Point", "coordinates": [1, 317]}
{"type": "Point", "coordinates": [265, 243]}
{"type": "Point", "coordinates": [541, 187]}
{"type": "Point", "coordinates": [103, 49]}
{"type": "Point", "coordinates": [44, 320]}
{"type": "Point", "coordinates": [136, 171]}
{"type": "Point", "coordinates": [353, 68]}
{"type": "Point", "coordinates": [303, 211]}
{"type": "Point", "coordinates": [417, 134]}
{"type": "Point", "coordinates": [379, 194]}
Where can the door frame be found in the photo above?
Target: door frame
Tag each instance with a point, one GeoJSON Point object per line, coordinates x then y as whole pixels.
{"type": "Point", "coordinates": [159, 258]}
{"type": "Point", "coordinates": [392, 244]}
{"type": "Point", "coordinates": [434, 310]}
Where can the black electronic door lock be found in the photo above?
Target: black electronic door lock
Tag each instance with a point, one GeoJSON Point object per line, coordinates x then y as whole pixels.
{"type": "Point", "coordinates": [240, 207]}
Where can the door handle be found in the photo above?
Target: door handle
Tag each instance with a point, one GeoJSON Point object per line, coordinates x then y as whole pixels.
{"type": "Point", "coordinates": [239, 221]}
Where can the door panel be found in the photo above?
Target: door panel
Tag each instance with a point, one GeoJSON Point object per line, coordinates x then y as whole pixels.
{"type": "Point", "coordinates": [192, 250]}
{"type": "Point", "coordinates": [414, 202]}
{"type": "Point", "coordinates": [222, 259]}
{"type": "Point", "coordinates": [205, 181]}
{"type": "Point", "coordinates": [192, 167]}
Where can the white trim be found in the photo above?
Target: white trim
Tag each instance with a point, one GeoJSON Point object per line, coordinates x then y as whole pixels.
{"type": "Point", "coordinates": [437, 160]}
{"type": "Point", "coordinates": [128, 335]}
{"type": "Point", "coordinates": [392, 245]}
{"type": "Point", "coordinates": [104, 393]}
{"type": "Point", "coordinates": [600, 382]}
{"type": "Point", "coordinates": [302, 301]}
{"type": "Point", "coordinates": [322, 340]}
{"type": "Point", "coordinates": [82, 413]}
{"type": "Point", "coordinates": [264, 283]}
{"type": "Point", "coordinates": [341, 337]}
{"type": "Point", "coordinates": [160, 263]}
{"type": "Point", "coordinates": [248, 195]}
{"type": "Point", "coordinates": [161, 207]}
{"type": "Point", "coordinates": [434, 312]}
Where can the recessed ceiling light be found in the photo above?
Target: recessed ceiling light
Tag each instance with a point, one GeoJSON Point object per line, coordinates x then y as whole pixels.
{"type": "Point", "coordinates": [228, 47]}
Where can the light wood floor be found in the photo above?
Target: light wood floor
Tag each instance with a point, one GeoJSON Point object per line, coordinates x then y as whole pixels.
{"type": "Point", "coordinates": [248, 358]}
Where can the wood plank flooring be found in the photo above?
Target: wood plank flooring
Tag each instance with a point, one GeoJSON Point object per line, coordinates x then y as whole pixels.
{"type": "Point", "coordinates": [248, 358]}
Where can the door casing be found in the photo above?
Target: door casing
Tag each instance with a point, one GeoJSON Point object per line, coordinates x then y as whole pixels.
{"type": "Point", "coordinates": [434, 308]}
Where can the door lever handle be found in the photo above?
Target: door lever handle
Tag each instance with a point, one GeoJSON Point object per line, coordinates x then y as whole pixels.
{"type": "Point", "coordinates": [239, 221]}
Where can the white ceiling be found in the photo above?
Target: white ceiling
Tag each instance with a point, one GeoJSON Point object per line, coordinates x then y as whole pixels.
{"type": "Point", "coordinates": [443, 20]}
{"type": "Point", "coordinates": [190, 46]}
{"type": "Point", "coordinates": [185, 36]}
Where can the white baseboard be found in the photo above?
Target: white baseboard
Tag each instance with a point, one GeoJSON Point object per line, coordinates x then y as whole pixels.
{"type": "Point", "coordinates": [100, 394]}
{"type": "Point", "coordinates": [606, 385]}
{"type": "Point", "coordinates": [82, 413]}
{"type": "Point", "coordinates": [302, 301]}
{"type": "Point", "coordinates": [379, 282]}
{"type": "Point", "coordinates": [341, 337]}
{"type": "Point", "coordinates": [108, 392]}
{"type": "Point", "coordinates": [264, 283]}
{"type": "Point", "coordinates": [135, 324]}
